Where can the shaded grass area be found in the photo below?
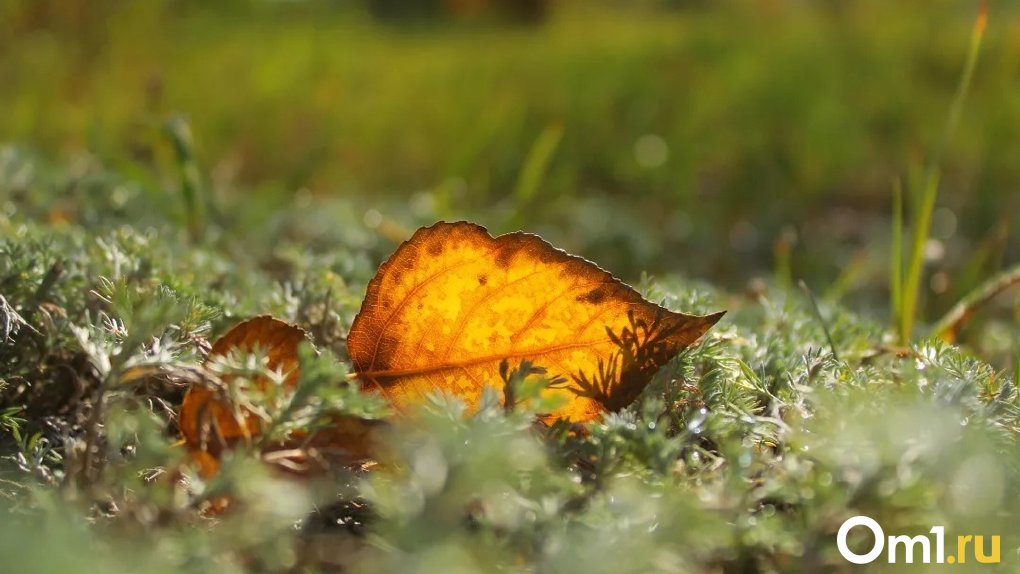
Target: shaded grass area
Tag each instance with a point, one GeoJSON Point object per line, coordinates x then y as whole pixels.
{"type": "Point", "coordinates": [744, 455]}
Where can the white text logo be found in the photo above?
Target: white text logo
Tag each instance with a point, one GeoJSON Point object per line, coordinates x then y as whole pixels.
{"type": "Point", "coordinates": [921, 548]}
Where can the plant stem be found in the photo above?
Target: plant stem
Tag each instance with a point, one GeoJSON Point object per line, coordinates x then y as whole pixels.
{"type": "Point", "coordinates": [897, 254]}
{"type": "Point", "coordinates": [950, 324]}
{"type": "Point", "coordinates": [821, 319]}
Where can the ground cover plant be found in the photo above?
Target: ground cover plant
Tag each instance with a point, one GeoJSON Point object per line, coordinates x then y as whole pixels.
{"type": "Point", "coordinates": [188, 358]}
{"type": "Point", "coordinates": [744, 454]}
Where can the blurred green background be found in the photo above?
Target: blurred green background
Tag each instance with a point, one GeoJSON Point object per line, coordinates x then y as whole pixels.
{"type": "Point", "coordinates": [727, 140]}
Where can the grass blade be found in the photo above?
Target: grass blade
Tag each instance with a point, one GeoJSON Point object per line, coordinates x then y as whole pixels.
{"type": "Point", "coordinates": [535, 167]}
{"type": "Point", "coordinates": [929, 192]}
{"type": "Point", "coordinates": [896, 273]}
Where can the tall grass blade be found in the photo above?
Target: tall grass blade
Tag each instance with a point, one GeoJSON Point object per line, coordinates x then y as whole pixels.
{"type": "Point", "coordinates": [178, 132]}
{"type": "Point", "coordinates": [911, 293]}
{"type": "Point", "coordinates": [535, 167]}
{"type": "Point", "coordinates": [925, 205]}
{"type": "Point", "coordinates": [896, 273]}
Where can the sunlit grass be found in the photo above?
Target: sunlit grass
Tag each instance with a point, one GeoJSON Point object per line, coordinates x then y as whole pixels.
{"type": "Point", "coordinates": [907, 281]}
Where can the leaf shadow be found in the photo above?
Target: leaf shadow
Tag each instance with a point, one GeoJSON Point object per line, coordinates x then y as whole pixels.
{"type": "Point", "coordinates": [642, 348]}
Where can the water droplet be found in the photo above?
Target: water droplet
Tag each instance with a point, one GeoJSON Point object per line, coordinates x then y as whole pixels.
{"type": "Point", "coordinates": [695, 422]}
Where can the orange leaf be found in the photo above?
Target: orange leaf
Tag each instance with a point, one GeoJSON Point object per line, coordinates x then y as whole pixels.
{"type": "Point", "coordinates": [206, 422]}
{"type": "Point", "coordinates": [453, 302]}
{"type": "Point", "coordinates": [209, 425]}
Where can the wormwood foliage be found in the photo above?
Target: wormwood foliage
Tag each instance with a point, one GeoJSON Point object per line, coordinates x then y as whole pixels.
{"type": "Point", "coordinates": [744, 454]}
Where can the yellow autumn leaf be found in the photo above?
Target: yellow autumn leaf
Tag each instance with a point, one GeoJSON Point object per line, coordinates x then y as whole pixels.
{"type": "Point", "coordinates": [453, 302]}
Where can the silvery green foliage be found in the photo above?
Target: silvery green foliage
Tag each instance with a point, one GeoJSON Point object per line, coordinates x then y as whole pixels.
{"type": "Point", "coordinates": [743, 455]}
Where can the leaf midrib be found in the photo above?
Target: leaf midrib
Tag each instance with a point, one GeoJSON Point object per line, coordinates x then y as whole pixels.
{"type": "Point", "coordinates": [475, 361]}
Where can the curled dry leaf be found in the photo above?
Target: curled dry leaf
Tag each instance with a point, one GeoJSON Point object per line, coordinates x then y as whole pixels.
{"type": "Point", "coordinates": [453, 302]}
{"type": "Point", "coordinates": [209, 423]}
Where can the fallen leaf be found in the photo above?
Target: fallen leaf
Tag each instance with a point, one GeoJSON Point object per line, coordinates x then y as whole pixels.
{"type": "Point", "coordinates": [453, 302]}
{"type": "Point", "coordinates": [210, 424]}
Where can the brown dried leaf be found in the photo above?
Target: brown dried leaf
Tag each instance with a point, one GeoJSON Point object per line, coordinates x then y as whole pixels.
{"type": "Point", "coordinates": [208, 423]}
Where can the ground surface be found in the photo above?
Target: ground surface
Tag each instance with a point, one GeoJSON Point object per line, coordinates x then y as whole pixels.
{"type": "Point", "coordinates": [744, 455]}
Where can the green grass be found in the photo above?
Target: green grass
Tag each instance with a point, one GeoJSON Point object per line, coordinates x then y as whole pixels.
{"type": "Point", "coordinates": [744, 455]}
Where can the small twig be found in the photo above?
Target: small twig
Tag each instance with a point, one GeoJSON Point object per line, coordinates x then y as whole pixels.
{"type": "Point", "coordinates": [950, 324]}
{"type": "Point", "coordinates": [818, 315]}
